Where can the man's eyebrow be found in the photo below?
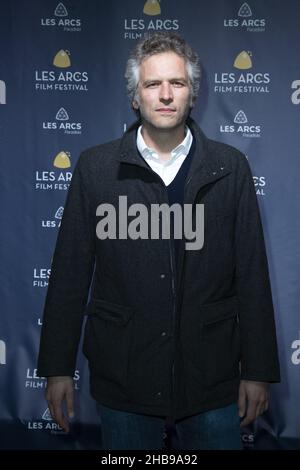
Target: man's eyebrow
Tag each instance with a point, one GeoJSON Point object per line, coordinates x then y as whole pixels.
{"type": "Point", "coordinates": [179, 79]}
{"type": "Point", "coordinates": [157, 80]}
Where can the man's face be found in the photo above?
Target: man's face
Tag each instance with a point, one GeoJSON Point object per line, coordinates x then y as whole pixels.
{"type": "Point", "coordinates": [164, 95]}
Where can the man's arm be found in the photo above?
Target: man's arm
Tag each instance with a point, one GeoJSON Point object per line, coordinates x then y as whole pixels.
{"type": "Point", "coordinates": [259, 357]}
{"type": "Point", "coordinates": [69, 283]}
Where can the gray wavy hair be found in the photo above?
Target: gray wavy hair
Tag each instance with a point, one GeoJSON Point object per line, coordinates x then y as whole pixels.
{"type": "Point", "coordinates": [157, 43]}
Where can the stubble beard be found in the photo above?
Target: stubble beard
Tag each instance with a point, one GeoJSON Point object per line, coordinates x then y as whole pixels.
{"type": "Point", "coordinates": [152, 124]}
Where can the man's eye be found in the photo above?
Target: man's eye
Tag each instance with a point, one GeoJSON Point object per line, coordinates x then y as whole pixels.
{"type": "Point", "coordinates": [152, 85]}
{"type": "Point", "coordinates": [178, 84]}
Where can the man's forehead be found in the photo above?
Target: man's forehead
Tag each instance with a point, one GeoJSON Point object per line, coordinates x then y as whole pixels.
{"type": "Point", "coordinates": [165, 63]}
{"type": "Point", "coordinates": [170, 56]}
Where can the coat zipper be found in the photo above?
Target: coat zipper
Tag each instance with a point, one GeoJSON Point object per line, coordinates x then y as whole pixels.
{"type": "Point", "coordinates": [173, 328]}
{"type": "Point", "coordinates": [174, 300]}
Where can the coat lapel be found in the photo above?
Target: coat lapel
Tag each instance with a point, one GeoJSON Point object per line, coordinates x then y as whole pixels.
{"type": "Point", "coordinates": [204, 168]}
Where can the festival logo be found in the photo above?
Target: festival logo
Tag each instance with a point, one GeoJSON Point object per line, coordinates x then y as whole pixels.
{"type": "Point", "coordinates": [245, 21]}
{"type": "Point", "coordinates": [241, 126]}
{"type": "Point", "coordinates": [243, 81]}
{"type": "Point", "coordinates": [58, 179]}
{"type": "Point", "coordinates": [33, 381]}
{"type": "Point", "coordinates": [41, 277]}
{"type": "Point", "coordinates": [260, 185]}
{"type": "Point", "coordinates": [63, 123]}
{"type": "Point", "coordinates": [55, 221]}
{"type": "Point", "coordinates": [152, 20]}
{"type": "Point", "coordinates": [59, 78]}
{"type": "Point", "coordinates": [60, 20]}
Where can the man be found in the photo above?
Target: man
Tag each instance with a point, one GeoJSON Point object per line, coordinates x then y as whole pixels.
{"type": "Point", "coordinates": [174, 331]}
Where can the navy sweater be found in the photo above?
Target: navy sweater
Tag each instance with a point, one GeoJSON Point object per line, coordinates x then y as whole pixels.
{"type": "Point", "coordinates": [176, 191]}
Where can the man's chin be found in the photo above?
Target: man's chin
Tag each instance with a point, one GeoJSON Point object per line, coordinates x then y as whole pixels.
{"type": "Point", "coordinates": [166, 124]}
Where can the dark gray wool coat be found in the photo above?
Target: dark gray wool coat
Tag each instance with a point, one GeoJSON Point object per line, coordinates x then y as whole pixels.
{"type": "Point", "coordinates": [160, 340]}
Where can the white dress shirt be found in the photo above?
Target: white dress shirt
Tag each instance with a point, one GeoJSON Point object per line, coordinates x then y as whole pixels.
{"type": "Point", "coordinates": [167, 170]}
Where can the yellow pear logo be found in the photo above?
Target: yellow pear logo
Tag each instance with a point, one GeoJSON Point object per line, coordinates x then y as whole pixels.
{"type": "Point", "coordinates": [62, 160]}
{"type": "Point", "coordinates": [62, 59]}
{"type": "Point", "coordinates": [243, 61]}
{"type": "Point", "coordinates": [152, 7]}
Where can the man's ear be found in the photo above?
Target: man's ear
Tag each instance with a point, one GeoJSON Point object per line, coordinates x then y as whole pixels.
{"type": "Point", "coordinates": [135, 104]}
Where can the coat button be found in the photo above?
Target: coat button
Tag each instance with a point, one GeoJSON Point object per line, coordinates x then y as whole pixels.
{"type": "Point", "coordinates": [158, 394]}
{"type": "Point", "coordinates": [162, 276]}
{"type": "Point", "coordinates": [163, 333]}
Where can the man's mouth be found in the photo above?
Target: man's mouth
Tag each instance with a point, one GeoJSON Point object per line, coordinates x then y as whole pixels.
{"type": "Point", "coordinates": [166, 110]}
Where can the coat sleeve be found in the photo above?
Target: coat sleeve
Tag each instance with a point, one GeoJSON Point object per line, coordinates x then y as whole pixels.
{"type": "Point", "coordinates": [259, 357]}
{"type": "Point", "coordinates": [70, 278]}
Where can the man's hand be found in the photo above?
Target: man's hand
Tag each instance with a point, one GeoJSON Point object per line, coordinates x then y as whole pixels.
{"type": "Point", "coordinates": [253, 400]}
{"type": "Point", "coordinates": [58, 389]}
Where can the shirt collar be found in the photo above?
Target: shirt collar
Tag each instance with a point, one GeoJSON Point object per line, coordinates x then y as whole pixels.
{"type": "Point", "coordinates": [149, 153]}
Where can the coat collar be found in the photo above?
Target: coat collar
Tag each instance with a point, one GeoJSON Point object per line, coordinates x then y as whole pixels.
{"type": "Point", "coordinates": [205, 167]}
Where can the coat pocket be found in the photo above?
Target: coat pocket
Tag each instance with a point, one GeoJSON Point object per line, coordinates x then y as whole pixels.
{"type": "Point", "coordinates": [219, 345]}
{"type": "Point", "coordinates": [107, 339]}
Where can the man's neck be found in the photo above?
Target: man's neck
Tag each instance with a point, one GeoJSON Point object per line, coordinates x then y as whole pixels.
{"type": "Point", "coordinates": [163, 141]}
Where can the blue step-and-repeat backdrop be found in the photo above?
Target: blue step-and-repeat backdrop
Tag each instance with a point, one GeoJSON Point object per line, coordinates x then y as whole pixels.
{"type": "Point", "coordinates": [62, 90]}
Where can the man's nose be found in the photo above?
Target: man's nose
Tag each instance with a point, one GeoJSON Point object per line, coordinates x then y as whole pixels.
{"type": "Point", "coordinates": [166, 93]}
